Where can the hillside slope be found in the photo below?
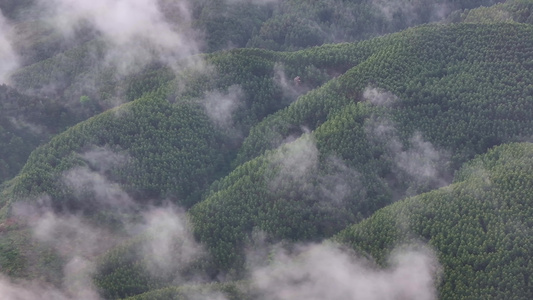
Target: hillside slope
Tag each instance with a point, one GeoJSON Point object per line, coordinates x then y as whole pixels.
{"type": "Point", "coordinates": [480, 227]}
{"type": "Point", "coordinates": [397, 124]}
{"type": "Point", "coordinates": [194, 169]}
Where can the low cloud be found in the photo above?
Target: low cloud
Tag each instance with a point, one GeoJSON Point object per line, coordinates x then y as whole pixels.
{"type": "Point", "coordinates": [9, 59]}
{"type": "Point", "coordinates": [325, 186]}
{"type": "Point", "coordinates": [414, 12]}
{"type": "Point", "coordinates": [379, 97]}
{"type": "Point", "coordinates": [103, 159]}
{"type": "Point", "coordinates": [164, 243]}
{"type": "Point", "coordinates": [69, 234]}
{"type": "Point", "coordinates": [106, 42]}
{"type": "Point", "coordinates": [327, 271]}
{"type": "Point", "coordinates": [417, 163]}
{"type": "Point", "coordinates": [136, 32]}
{"type": "Point", "coordinates": [30, 290]}
{"type": "Point", "coordinates": [296, 162]}
{"type": "Point", "coordinates": [91, 186]}
{"type": "Point", "coordinates": [88, 185]}
{"type": "Point", "coordinates": [423, 161]}
{"type": "Point", "coordinates": [77, 242]}
{"type": "Point", "coordinates": [21, 124]}
{"type": "Point", "coordinates": [171, 246]}
{"type": "Point", "coordinates": [339, 182]}
{"type": "Point", "coordinates": [299, 166]}
{"type": "Point", "coordinates": [220, 106]}
{"type": "Point", "coordinates": [167, 249]}
{"type": "Point", "coordinates": [257, 2]}
{"type": "Point", "coordinates": [290, 87]}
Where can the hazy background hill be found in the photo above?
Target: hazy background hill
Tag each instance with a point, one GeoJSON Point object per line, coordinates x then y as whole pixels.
{"type": "Point", "coordinates": [65, 53]}
{"type": "Point", "coordinates": [254, 149]}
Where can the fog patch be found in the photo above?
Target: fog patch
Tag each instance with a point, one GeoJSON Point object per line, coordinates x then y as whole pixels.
{"type": "Point", "coordinates": [423, 161]}
{"type": "Point", "coordinates": [339, 182]}
{"type": "Point", "coordinates": [135, 31]}
{"type": "Point", "coordinates": [103, 159]}
{"type": "Point", "coordinates": [91, 186]}
{"type": "Point", "coordinates": [87, 184]}
{"type": "Point", "coordinates": [22, 124]}
{"type": "Point", "coordinates": [379, 97]}
{"type": "Point", "coordinates": [256, 2]}
{"type": "Point", "coordinates": [291, 88]}
{"type": "Point", "coordinates": [326, 271]}
{"type": "Point", "coordinates": [325, 185]}
{"type": "Point", "coordinates": [221, 106]}
{"type": "Point", "coordinates": [296, 162]}
{"type": "Point", "coordinates": [414, 12]}
{"type": "Point", "coordinates": [167, 248]}
{"type": "Point", "coordinates": [31, 290]}
{"type": "Point", "coordinates": [9, 59]}
{"type": "Point", "coordinates": [171, 246]}
{"type": "Point", "coordinates": [77, 241]}
{"type": "Point", "coordinates": [109, 41]}
{"type": "Point", "coordinates": [418, 164]}
{"type": "Point", "coordinates": [159, 236]}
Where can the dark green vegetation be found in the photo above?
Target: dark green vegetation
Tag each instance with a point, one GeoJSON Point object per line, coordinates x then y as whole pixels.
{"type": "Point", "coordinates": [167, 134]}
{"type": "Point", "coordinates": [481, 226]}
{"type": "Point", "coordinates": [63, 70]}
{"type": "Point", "coordinates": [296, 24]}
{"type": "Point", "coordinates": [410, 137]}
{"type": "Point", "coordinates": [456, 101]}
{"type": "Point", "coordinates": [509, 11]}
{"type": "Point", "coordinates": [19, 137]}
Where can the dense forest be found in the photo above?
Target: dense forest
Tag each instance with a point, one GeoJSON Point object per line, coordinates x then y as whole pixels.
{"type": "Point", "coordinates": [264, 149]}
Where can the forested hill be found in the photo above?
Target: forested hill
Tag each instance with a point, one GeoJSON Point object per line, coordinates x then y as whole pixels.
{"type": "Point", "coordinates": [399, 162]}
{"type": "Point", "coordinates": [480, 226]}
{"type": "Point", "coordinates": [63, 70]}
{"type": "Point", "coordinates": [279, 25]}
{"type": "Point", "coordinates": [399, 123]}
